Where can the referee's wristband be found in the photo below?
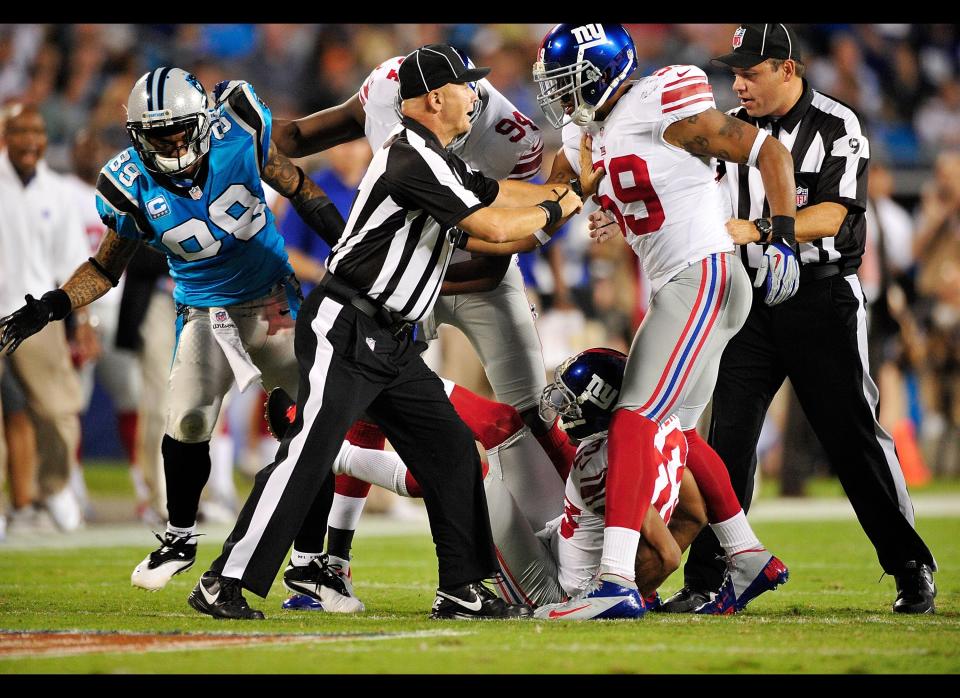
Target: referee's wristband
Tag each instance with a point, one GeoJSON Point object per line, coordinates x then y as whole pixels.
{"type": "Point", "coordinates": [784, 228]}
{"type": "Point", "coordinates": [553, 210]}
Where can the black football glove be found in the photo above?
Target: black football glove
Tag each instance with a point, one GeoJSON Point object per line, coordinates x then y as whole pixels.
{"type": "Point", "coordinates": [31, 318]}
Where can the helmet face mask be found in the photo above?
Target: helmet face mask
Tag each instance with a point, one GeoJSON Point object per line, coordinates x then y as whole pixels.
{"type": "Point", "coordinates": [584, 393]}
{"type": "Point", "coordinates": [579, 68]}
{"type": "Point", "coordinates": [186, 112]}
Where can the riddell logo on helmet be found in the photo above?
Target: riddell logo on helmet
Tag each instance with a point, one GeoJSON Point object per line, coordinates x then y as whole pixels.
{"type": "Point", "coordinates": [738, 36]}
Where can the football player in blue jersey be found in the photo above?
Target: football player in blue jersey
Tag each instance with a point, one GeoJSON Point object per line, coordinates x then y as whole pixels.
{"type": "Point", "coordinates": [190, 186]}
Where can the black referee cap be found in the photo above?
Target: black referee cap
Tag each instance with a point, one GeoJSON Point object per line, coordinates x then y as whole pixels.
{"type": "Point", "coordinates": [432, 66]}
{"type": "Point", "coordinates": [755, 43]}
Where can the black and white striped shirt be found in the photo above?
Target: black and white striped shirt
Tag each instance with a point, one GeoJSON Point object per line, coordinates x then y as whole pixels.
{"type": "Point", "coordinates": [830, 155]}
{"type": "Point", "coordinates": [398, 239]}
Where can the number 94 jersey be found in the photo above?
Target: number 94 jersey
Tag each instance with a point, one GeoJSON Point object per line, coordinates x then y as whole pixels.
{"type": "Point", "coordinates": [665, 199]}
{"type": "Point", "coordinates": [220, 239]}
{"type": "Point", "coordinates": [503, 143]}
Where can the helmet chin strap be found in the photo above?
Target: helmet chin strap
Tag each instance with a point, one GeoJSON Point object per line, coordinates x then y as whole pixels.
{"type": "Point", "coordinates": [583, 114]}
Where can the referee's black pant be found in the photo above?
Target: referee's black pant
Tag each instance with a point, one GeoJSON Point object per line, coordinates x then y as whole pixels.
{"type": "Point", "coordinates": [818, 339]}
{"type": "Point", "coordinates": [348, 364]}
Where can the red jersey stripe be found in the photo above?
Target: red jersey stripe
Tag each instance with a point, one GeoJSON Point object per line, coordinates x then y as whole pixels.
{"type": "Point", "coordinates": [692, 101]}
{"type": "Point", "coordinates": [672, 96]}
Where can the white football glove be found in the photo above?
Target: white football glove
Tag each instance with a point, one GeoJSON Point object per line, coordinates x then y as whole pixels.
{"type": "Point", "coordinates": [780, 271]}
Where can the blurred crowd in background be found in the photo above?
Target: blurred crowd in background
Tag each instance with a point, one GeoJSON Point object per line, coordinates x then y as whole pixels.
{"type": "Point", "coordinates": [904, 80]}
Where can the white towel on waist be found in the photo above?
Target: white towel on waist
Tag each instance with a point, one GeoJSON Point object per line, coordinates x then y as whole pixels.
{"type": "Point", "coordinates": [228, 337]}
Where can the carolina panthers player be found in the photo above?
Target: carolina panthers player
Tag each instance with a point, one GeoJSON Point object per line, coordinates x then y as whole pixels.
{"type": "Point", "coordinates": [190, 186]}
{"type": "Point", "coordinates": [655, 138]}
{"type": "Point", "coordinates": [483, 296]}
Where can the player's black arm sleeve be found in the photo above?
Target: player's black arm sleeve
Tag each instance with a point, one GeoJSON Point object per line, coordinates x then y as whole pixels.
{"type": "Point", "coordinates": [321, 215]}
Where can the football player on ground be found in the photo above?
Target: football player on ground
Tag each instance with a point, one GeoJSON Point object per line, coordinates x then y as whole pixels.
{"type": "Point", "coordinates": [190, 186]}
{"type": "Point", "coordinates": [549, 539]}
{"type": "Point", "coordinates": [483, 296]}
{"type": "Point", "coordinates": [650, 142]}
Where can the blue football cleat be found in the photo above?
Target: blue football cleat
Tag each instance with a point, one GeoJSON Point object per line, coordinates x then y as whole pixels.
{"type": "Point", "coordinates": [301, 602]}
{"type": "Point", "coordinates": [653, 602]}
{"type": "Point", "coordinates": [607, 596]}
{"type": "Point", "coordinates": [749, 574]}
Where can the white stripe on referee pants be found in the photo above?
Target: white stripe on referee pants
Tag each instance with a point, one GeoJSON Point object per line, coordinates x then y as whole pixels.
{"type": "Point", "coordinates": [270, 497]}
{"type": "Point", "coordinates": [872, 396]}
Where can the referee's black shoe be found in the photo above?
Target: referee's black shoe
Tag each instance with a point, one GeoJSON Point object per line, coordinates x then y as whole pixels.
{"type": "Point", "coordinates": [475, 602]}
{"type": "Point", "coordinates": [221, 597]}
{"type": "Point", "coordinates": [915, 589]}
{"type": "Point", "coordinates": [687, 600]}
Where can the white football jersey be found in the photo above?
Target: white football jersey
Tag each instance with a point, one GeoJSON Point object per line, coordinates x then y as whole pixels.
{"type": "Point", "coordinates": [503, 142]}
{"type": "Point", "coordinates": [665, 199]}
{"type": "Point", "coordinates": [578, 539]}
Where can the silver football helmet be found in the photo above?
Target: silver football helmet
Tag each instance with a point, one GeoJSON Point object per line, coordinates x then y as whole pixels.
{"type": "Point", "coordinates": [164, 102]}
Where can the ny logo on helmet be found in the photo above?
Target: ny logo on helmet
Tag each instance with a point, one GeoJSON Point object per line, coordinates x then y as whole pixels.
{"type": "Point", "coordinates": [599, 393]}
{"type": "Point", "coordinates": [738, 36]}
{"type": "Point", "coordinates": [589, 34]}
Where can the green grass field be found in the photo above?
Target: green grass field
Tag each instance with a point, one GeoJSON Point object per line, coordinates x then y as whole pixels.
{"type": "Point", "coordinates": [832, 617]}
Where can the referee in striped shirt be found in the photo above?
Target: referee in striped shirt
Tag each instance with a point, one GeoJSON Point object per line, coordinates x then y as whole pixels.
{"type": "Point", "coordinates": [356, 349]}
{"type": "Point", "coordinates": [818, 338]}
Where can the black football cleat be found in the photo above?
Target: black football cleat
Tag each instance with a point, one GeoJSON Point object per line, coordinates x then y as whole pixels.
{"type": "Point", "coordinates": [915, 589]}
{"type": "Point", "coordinates": [687, 600]}
{"type": "Point", "coordinates": [280, 411]}
{"type": "Point", "coordinates": [475, 602]}
{"type": "Point", "coordinates": [221, 597]}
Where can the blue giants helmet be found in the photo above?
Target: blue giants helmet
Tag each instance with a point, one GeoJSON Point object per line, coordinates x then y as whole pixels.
{"type": "Point", "coordinates": [584, 392]}
{"type": "Point", "coordinates": [578, 67]}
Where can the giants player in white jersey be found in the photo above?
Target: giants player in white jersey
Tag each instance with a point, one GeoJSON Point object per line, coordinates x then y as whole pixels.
{"type": "Point", "coordinates": [549, 538]}
{"type": "Point", "coordinates": [643, 149]}
{"type": "Point", "coordinates": [483, 296]}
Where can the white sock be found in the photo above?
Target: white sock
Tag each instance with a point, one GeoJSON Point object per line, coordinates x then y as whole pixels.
{"type": "Point", "coordinates": [298, 559]}
{"type": "Point", "coordinates": [345, 512]}
{"type": "Point", "coordinates": [183, 532]}
{"type": "Point", "coordinates": [220, 484]}
{"type": "Point", "coordinates": [620, 551]}
{"type": "Point", "coordinates": [735, 534]}
{"type": "Point", "coordinates": [381, 468]}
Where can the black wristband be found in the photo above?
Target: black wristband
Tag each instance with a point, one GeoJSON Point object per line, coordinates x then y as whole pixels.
{"type": "Point", "coordinates": [59, 303]}
{"type": "Point", "coordinates": [576, 187]}
{"type": "Point", "coordinates": [114, 280]}
{"type": "Point", "coordinates": [459, 237]}
{"type": "Point", "coordinates": [783, 228]}
{"type": "Point", "coordinates": [553, 210]}
{"type": "Point", "coordinates": [300, 183]}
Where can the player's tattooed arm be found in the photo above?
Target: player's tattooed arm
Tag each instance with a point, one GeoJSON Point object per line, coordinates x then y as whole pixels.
{"type": "Point", "coordinates": [321, 130]}
{"type": "Point", "coordinates": [711, 133]}
{"type": "Point", "coordinates": [94, 278]}
{"type": "Point", "coordinates": [310, 201]}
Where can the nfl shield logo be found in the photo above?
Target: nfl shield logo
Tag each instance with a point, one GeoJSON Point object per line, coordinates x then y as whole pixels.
{"type": "Point", "coordinates": [221, 316]}
{"type": "Point", "coordinates": [802, 193]}
{"type": "Point", "coordinates": [738, 36]}
{"type": "Point", "coordinates": [372, 343]}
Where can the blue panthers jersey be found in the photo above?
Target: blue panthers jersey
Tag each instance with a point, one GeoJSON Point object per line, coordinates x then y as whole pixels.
{"type": "Point", "coordinates": [219, 237]}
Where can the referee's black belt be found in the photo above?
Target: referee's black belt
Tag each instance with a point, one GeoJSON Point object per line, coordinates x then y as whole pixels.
{"type": "Point", "coordinates": [815, 272]}
{"type": "Point", "coordinates": [340, 290]}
